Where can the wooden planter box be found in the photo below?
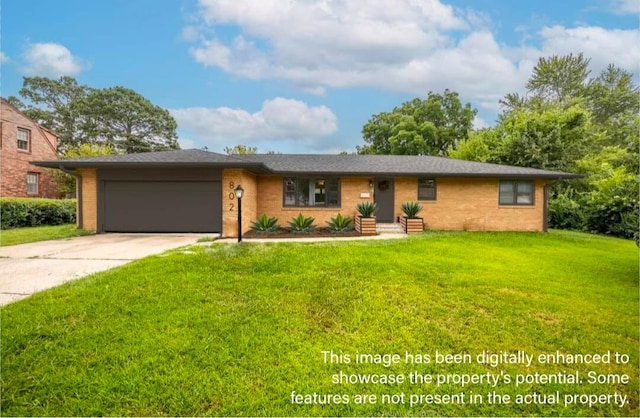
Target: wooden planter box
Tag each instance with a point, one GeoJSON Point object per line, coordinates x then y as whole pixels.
{"type": "Point", "coordinates": [412, 225]}
{"type": "Point", "coordinates": [366, 226]}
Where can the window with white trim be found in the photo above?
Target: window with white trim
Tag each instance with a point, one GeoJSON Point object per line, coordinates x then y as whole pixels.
{"type": "Point", "coordinates": [32, 183]}
{"type": "Point", "coordinates": [23, 137]}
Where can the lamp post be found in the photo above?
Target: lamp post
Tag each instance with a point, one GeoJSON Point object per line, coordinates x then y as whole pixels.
{"type": "Point", "coordinates": [239, 191]}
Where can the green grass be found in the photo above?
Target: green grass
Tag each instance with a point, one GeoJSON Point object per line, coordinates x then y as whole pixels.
{"type": "Point", "coordinates": [38, 233]}
{"type": "Point", "coordinates": [234, 329]}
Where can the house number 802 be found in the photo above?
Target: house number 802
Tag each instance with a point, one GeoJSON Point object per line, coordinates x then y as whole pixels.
{"type": "Point", "coordinates": [232, 196]}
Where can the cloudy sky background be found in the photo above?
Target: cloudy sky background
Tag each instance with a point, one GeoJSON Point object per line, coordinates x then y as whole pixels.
{"type": "Point", "coordinates": [305, 75]}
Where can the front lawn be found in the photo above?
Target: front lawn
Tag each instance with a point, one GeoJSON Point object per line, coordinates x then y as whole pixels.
{"type": "Point", "coordinates": [234, 329]}
{"type": "Point", "coordinates": [38, 233]}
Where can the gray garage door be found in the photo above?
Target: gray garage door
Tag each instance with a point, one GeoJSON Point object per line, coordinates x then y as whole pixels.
{"type": "Point", "coordinates": [162, 206]}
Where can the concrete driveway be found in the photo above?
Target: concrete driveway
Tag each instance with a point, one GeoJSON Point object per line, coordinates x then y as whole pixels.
{"type": "Point", "coordinates": [29, 268]}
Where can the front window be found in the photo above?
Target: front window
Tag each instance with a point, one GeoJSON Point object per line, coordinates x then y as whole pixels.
{"type": "Point", "coordinates": [32, 183]}
{"type": "Point", "coordinates": [426, 189]}
{"type": "Point", "coordinates": [311, 192]}
{"type": "Point", "coordinates": [516, 192]}
{"type": "Point", "coordinates": [23, 139]}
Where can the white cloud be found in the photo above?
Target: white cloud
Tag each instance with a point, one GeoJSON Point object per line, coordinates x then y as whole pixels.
{"type": "Point", "coordinates": [50, 60]}
{"type": "Point", "coordinates": [3, 58]}
{"type": "Point", "coordinates": [626, 7]}
{"type": "Point", "coordinates": [603, 46]}
{"type": "Point", "coordinates": [479, 123]}
{"type": "Point", "coordinates": [406, 46]}
{"type": "Point", "coordinates": [187, 143]}
{"type": "Point", "coordinates": [279, 119]}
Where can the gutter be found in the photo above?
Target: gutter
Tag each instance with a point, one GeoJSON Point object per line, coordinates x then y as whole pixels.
{"type": "Point", "coordinates": [79, 196]}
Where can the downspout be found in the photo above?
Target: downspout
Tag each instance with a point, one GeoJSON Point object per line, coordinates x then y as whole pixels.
{"type": "Point", "coordinates": [79, 189]}
{"type": "Point", "coordinates": [545, 216]}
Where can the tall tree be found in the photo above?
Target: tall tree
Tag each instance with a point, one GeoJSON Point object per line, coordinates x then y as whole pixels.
{"type": "Point", "coordinates": [127, 122]}
{"type": "Point", "coordinates": [419, 127]}
{"type": "Point", "coordinates": [559, 78]}
{"type": "Point", "coordinates": [55, 104]}
{"type": "Point", "coordinates": [117, 117]}
{"type": "Point", "coordinates": [613, 94]}
{"type": "Point", "coordinates": [568, 121]}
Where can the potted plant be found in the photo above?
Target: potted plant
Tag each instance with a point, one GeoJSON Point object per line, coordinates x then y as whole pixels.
{"type": "Point", "coordinates": [366, 222]}
{"type": "Point", "coordinates": [411, 222]}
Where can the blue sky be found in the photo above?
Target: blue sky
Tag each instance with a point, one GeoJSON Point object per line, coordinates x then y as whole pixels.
{"type": "Point", "coordinates": [305, 76]}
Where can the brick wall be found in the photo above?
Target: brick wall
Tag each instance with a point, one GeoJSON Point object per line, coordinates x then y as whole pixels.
{"type": "Point", "coordinates": [14, 163]}
{"type": "Point", "coordinates": [270, 200]}
{"type": "Point", "coordinates": [471, 204]}
{"type": "Point", "coordinates": [89, 198]}
{"type": "Point", "coordinates": [462, 204]}
{"type": "Point", "coordinates": [230, 180]}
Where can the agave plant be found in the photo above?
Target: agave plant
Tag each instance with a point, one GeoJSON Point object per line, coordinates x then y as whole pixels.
{"type": "Point", "coordinates": [411, 209]}
{"type": "Point", "coordinates": [366, 209]}
{"type": "Point", "coordinates": [265, 224]}
{"type": "Point", "coordinates": [301, 224]}
{"type": "Point", "coordinates": [340, 224]}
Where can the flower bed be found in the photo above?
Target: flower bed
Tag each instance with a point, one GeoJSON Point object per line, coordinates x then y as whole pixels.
{"type": "Point", "coordinates": [286, 233]}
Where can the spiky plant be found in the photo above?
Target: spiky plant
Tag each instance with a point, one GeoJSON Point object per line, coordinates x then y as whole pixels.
{"type": "Point", "coordinates": [301, 224]}
{"type": "Point", "coordinates": [411, 209]}
{"type": "Point", "coordinates": [366, 209]}
{"type": "Point", "coordinates": [265, 224]}
{"type": "Point", "coordinates": [340, 224]}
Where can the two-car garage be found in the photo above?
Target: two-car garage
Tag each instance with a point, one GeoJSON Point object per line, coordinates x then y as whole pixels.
{"type": "Point", "coordinates": [159, 200]}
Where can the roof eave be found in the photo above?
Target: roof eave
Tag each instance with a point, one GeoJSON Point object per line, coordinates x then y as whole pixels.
{"type": "Point", "coordinates": [257, 168]}
{"type": "Point", "coordinates": [550, 176]}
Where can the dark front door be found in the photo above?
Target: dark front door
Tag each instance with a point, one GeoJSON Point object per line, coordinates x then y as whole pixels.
{"type": "Point", "coordinates": [383, 196]}
{"type": "Point", "coordinates": [162, 206]}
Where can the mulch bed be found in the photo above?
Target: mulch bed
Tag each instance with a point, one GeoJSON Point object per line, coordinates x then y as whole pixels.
{"type": "Point", "coordinates": [286, 233]}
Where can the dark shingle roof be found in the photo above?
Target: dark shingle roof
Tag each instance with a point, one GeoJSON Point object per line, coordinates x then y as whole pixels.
{"type": "Point", "coordinates": [175, 158]}
{"type": "Point", "coordinates": [313, 164]}
{"type": "Point", "coordinates": [392, 165]}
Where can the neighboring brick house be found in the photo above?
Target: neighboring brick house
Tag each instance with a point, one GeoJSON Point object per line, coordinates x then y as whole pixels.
{"type": "Point", "coordinates": [23, 140]}
{"type": "Point", "coordinates": [192, 190]}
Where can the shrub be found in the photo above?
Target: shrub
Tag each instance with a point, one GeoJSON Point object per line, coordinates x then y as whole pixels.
{"type": "Point", "coordinates": [265, 224]}
{"type": "Point", "coordinates": [366, 209]}
{"type": "Point", "coordinates": [567, 211]}
{"type": "Point", "coordinates": [340, 224]}
{"type": "Point", "coordinates": [301, 224]}
{"type": "Point", "coordinates": [411, 209]}
{"type": "Point", "coordinates": [25, 212]}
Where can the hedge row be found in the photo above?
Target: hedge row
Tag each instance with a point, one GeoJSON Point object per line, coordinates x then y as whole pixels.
{"type": "Point", "coordinates": [22, 212]}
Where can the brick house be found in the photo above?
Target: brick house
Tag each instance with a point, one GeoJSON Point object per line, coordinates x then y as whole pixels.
{"type": "Point", "coordinates": [23, 140]}
{"type": "Point", "coordinates": [192, 190]}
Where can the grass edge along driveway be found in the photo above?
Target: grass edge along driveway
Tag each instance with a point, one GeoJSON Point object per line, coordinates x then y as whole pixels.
{"type": "Point", "coordinates": [234, 329]}
{"type": "Point", "coordinates": [39, 233]}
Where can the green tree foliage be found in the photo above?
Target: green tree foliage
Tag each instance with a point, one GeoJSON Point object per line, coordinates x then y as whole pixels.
{"type": "Point", "coordinates": [419, 127]}
{"type": "Point", "coordinates": [56, 105]}
{"type": "Point", "coordinates": [613, 95]}
{"type": "Point", "coordinates": [241, 150]}
{"type": "Point", "coordinates": [66, 183]}
{"type": "Point", "coordinates": [118, 117]}
{"type": "Point", "coordinates": [570, 122]}
{"type": "Point", "coordinates": [551, 139]}
{"type": "Point", "coordinates": [480, 146]}
{"type": "Point", "coordinates": [559, 78]}
{"type": "Point", "coordinates": [127, 122]}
